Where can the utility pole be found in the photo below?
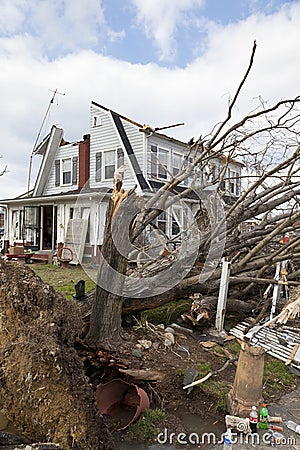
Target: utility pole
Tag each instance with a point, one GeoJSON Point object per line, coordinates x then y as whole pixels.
{"type": "Point", "coordinates": [55, 92]}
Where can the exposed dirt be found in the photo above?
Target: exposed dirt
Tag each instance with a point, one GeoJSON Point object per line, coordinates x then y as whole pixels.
{"type": "Point", "coordinates": [43, 389]}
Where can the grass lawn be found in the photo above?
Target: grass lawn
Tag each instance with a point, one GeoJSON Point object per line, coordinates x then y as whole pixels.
{"type": "Point", "coordinates": [63, 279]}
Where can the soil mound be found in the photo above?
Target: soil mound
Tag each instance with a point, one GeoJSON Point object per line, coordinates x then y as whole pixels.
{"type": "Point", "coordinates": [43, 389]}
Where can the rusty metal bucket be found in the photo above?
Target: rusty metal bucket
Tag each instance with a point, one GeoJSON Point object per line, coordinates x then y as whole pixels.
{"type": "Point", "coordinates": [121, 400]}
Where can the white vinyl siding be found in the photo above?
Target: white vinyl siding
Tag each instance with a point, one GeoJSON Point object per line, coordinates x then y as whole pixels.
{"type": "Point", "coordinates": [105, 138]}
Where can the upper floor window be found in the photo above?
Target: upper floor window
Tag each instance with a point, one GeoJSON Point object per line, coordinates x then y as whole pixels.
{"type": "Point", "coordinates": [96, 121]}
{"type": "Point", "coordinates": [159, 162]}
{"type": "Point", "coordinates": [66, 171]}
{"type": "Point", "coordinates": [161, 222]}
{"type": "Point", "coordinates": [166, 163]}
{"type": "Point", "coordinates": [107, 162]}
{"type": "Point", "coordinates": [234, 182]}
{"type": "Point", "coordinates": [177, 163]}
{"type": "Point", "coordinates": [230, 181]}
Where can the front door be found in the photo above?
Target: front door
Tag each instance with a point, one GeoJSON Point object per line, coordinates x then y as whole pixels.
{"type": "Point", "coordinates": [48, 227]}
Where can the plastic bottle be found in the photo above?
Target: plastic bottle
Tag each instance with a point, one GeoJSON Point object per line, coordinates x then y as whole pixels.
{"type": "Point", "coordinates": [227, 440]}
{"type": "Point", "coordinates": [253, 419]}
{"type": "Point", "coordinates": [293, 426]}
{"type": "Point", "coordinates": [263, 417]}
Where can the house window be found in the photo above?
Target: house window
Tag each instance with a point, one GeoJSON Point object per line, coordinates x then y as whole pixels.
{"type": "Point", "coordinates": [175, 226]}
{"type": "Point", "coordinates": [66, 171]}
{"type": "Point", "coordinates": [177, 162]}
{"type": "Point", "coordinates": [109, 164]}
{"type": "Point", "coordinates": [178, 220]}
{"type": "Point", "coordinates": [221, 178]}
{"type": "Point", "coordinates": [161, 222]}
{"type": "Point", "coordinates": [96, 121]}
{"type": "Point", "coordinates": [99, 166]}
{"type": "Point", "coordinates": [187, 160]}
{"type": "Point", "coordinates": [159, 162]}
{"type": "Point", "coordinates": [234, 182]}
{"type": "Point", "coordinates": [31, 216]}
{"type": "Point", "coordinates": [162, 163]}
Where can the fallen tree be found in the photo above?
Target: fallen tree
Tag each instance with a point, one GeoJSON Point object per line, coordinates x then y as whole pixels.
{"type": "Point", "coordinates": [247, 230]}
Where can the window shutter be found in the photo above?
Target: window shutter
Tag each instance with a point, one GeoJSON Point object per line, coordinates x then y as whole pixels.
{"type": "Point", "coordinates": [98, 166]}
{"type": "Point", "coordinates": [57, 172]}
{"type": "Point", "coordinates": [120, 157]}
{"type": "Point", "coordinates": [154, 162]}
{"type": "Point", "coordinates": [74, 170]}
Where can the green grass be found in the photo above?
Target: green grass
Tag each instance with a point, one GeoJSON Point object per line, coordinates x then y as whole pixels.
{"type": "Point", "coordinates": [219, 389]}
{"type": "Point", "coordinates": [147, 427]}
{"type": "Point", "coordinates": [233, 347]}
{"type": "Point", "coordinates": [204, 368]}
{"type": "Point", "coordinates": [277, 376]}
{"type": "Point", "coordinates": [63, 279]}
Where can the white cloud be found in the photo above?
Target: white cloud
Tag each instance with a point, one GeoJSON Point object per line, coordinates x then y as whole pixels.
{"type": "Point", "coordinates": [58, 26]}
{"type": "Point", "coordinates": [160, 18]}
{"type": "Point", "coordinates": [67, 24]}
{"type": "Point", "coordinates": [12, 15]}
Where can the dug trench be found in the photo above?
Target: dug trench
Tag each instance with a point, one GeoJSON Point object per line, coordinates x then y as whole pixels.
{"type": "Point", "coordinates": [48, 376]}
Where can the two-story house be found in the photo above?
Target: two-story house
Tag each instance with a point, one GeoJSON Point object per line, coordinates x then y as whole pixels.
{"type": "Point", "coordinates": [74, 182]}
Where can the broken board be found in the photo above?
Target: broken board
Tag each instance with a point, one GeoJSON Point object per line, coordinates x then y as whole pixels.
{"type": "Point", "coordinates": [75, 238]}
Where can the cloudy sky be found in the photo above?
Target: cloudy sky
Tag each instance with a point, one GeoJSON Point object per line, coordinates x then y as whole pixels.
{"type": "Point", "coordinates": [156, 61]}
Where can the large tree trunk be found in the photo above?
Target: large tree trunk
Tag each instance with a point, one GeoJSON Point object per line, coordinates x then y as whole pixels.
{"type": "Point", "coordinates": [136, 305]}
{"type": "Point", "coordinates": [105, 323]}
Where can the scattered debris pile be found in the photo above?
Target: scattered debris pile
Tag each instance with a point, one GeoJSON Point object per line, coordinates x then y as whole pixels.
{"type": "Point", "coordinates": [274, 335]}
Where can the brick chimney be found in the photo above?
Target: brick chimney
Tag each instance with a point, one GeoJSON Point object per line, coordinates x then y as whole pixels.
{"type": "Point", "coordinates": [84, 161]}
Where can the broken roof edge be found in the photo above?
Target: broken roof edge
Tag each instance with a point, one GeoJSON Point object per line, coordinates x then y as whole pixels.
{"type": "Point", "coordinates": [42, 146]}
{"type": "Point", "coordinates": [145, 129]}
{"type": "Point", "coordinates": [133, 122]}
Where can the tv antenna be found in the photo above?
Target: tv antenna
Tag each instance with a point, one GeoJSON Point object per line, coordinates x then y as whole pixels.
{"type": "Point", "coordinates": [153, 129]}
{"type": "Point", "coordinates": [55, 92]}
